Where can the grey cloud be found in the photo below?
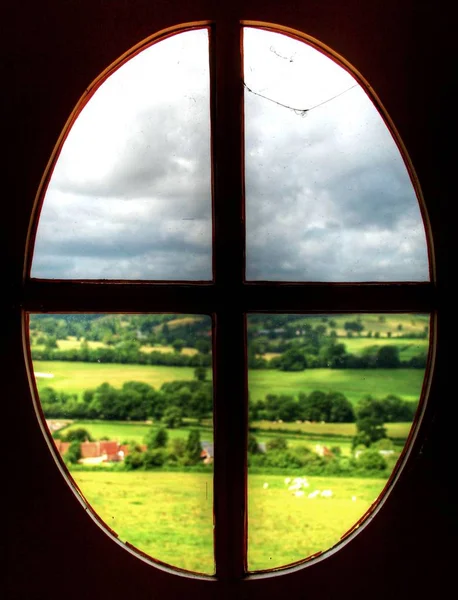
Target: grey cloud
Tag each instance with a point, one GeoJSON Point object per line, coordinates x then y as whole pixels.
{"type": "Point", "coordinates": [326, 201]}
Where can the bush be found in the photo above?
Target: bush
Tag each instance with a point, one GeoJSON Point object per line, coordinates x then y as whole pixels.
{"type": "Point", "coordinates": [156, 438]}
{"type": "Point", "coordinates": [133, 461]}
{"type": "Point", "coordinates": [371, 460]}
{"type": "Point", "coordinates": [77, 435]}
{"type": "Point", "coordinates": [73, 453]}
{"type": "Point", "coordinates": [277, 443]}
{"type": "Point", "coordinates": [193, 449]}
{"type": "Point", "coordinates": [154, 458]}
{"type": "Point", "coordinates": [173, 417]}
{"type": "Point", "coordinates": [253, 446]}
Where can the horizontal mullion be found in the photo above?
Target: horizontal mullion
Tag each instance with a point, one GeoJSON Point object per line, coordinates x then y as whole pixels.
{"type": "Point", "coordinates": [61, 296]}
{"type": "Point", "coordinates": [337, 297]}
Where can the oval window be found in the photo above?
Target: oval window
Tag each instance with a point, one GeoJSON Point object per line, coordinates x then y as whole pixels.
{"type": "Point", "coordinates": [314, 388]}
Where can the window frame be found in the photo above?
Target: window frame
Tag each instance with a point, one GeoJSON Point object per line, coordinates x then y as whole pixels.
{"type": "Point", "coordinates": [229, 297]}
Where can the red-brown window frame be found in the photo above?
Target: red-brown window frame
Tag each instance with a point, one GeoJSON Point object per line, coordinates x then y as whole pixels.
{"type": "Point", "coordinates": [229, 297]}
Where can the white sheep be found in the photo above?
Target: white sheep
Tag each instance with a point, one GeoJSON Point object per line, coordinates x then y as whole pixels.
{"type": "Point", "coordinates": [326, 493]}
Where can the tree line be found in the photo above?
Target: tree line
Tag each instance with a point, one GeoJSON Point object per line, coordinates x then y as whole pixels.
{"type": "Point", "coordinates": [333, 355]}
{"type": "Point", "coordinates": [128, 352]}
{"type": "Point", "coordinates": [134, 401]}
{"type": "Point", "coordinates": [331, 407]}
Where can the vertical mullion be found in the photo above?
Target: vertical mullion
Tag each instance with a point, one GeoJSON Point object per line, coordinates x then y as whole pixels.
{"type": "Point", "coordinates": [229, 341]}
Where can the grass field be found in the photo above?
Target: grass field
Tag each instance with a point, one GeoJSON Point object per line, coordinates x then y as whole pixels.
{"type": "Point", "coordinates": [74, 377]}
{"type": "Point", "coordinates": [170, 515]}
{"type": "Point", "coordinates": [400, 430]}
{"type": "Point", "coordinates": [167, 515]}
{"type": "Point", "coordinates": [407, 348]}
{"type": "Point", "coordinates": [410, 323]}
{"type": "Point", "coordinates": [354, 383]}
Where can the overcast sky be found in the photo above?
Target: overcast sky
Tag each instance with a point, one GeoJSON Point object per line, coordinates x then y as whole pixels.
{"type": "Point", "coordinates": [328, 197]}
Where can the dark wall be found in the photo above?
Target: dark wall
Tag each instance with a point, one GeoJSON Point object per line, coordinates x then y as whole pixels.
{"type": "Point", "coordinates": [53, 50]}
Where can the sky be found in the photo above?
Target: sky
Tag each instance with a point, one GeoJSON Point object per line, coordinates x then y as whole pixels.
{"type": "Point", "coordinates": [328, 197]}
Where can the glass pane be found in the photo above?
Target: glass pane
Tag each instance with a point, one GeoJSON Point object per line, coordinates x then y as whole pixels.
{"type": "Point", "coordinates": [328, 197]}
{"type": "Point", "coordinates": [332, 400]}
{"type": "Point", "coordinates": [128, 400]}
{"type": "Point", "coordinates": [130, 194]}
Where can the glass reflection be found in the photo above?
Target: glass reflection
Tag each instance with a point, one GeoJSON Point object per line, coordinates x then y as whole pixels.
{"type": "Point", "coordinates": [130, 194]}
{"type": "Point", "coordinates": [328, 197]}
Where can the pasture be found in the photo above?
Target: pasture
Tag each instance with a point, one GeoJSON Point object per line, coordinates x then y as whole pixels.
{"type": "Point", "coordinates": [354, 383]}
{"type": "Point", "coordinates": [75, 377]}
{"type": "Point", "coordinates": [396, 324]}
{"type": "Point", "coordinates": [170, 515]}
{"type": "Point", "coordinates": [407, 348]}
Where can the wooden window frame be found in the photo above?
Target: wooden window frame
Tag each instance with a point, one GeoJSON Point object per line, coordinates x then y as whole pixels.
{"type": "Point", "coordinates": [229, 297]}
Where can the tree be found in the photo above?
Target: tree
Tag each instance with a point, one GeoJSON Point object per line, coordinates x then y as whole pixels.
{"type": "Point", "coordinates": [341, 409]}
{"type": "Point", "coordinates": [200, 373]}
{"type": "Point", "coordinates": [293, 360]}
{"type": "Point", "coordinates": [372, 460]}
{"type": "Point", "coordinates": [388, 357]}
{"type": "Point", "coordinates": [178, 345]}
{"type": "Point", "coordinates": [203, 346]}
{"type": "Point", "coordinates": [73, 453]}
{"type": "Point", "coordinates": [154, 458]}
{"type": "Point", "coordinates": [253, 446]}
{"type": "Point", "coordinates": [317, 407]}
{"type": "Point", "coordinates": [277, 443]}
{"type": "Point", "coordinates": [156, 438]}
{"type": "Point", "coordinates": [51, 343]}
{"type": "Point", "coordinates": [193, 447]}
{"type": "Point", "coordinates": [354, 326]}
{"type": "Point", "coordinates": [370, 416]}
{"type": "Point", "coordinates": [77, 435]}
{"type": "Point", "coordinates": [398, 410]}
{"type": "Point", "coordinates": [173, 417]}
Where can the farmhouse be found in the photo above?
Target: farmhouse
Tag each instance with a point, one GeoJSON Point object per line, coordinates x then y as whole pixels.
{"type": "Point", "coordinates": [207, 452]}
{"type": "Point", "coordinates": [96, 452]}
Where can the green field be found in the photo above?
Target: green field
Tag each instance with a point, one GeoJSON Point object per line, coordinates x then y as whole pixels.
{"type": "Point", "coordinates": [170, 515]}
{"type": "Point", "coordinates": [354, 383]}
{"type": "Point", "coordinates": [167, 515]}
{"type": "Point", "coordinates": [74, 377]}
{"type": "Point", "coordinates": [382, 324]}
{"type": "Point", "coordinates": [407, 348]}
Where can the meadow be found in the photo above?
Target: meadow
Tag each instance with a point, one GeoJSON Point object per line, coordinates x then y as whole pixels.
{"type": "Point", "coordinates": [353, 383]}
{"type": "Point", "coordinates": [384, 325]}
{"type": "Point", "coordinates": [170, 515]}
{"type": "Point", "coordinates": [75, 377]}
{"type": "Point", "coordinates": [408, 348]}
